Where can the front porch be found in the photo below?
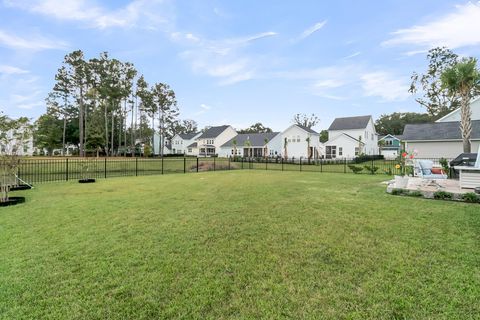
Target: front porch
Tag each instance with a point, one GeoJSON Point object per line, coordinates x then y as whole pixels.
{"type": "Point", "coordinates": [207, 151]}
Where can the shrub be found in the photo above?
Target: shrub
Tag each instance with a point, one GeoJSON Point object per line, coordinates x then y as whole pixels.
{"type": "Point", "coordinates": [355, 169]}
{"type": "Point", "coordinates": [388, 171]}
{"type": "Point", "coordinates": [365, 158]}
{"type": "Point", "coordinates": [398, 192]}
{"type": "Point", "coordinates": [443, 195]}
{"type": "Point", "coordinates": [415, 194]}
{"type": "Point", "coordinates": [471, 197]}
{"type": "Point", "coordinates": [444, 163]}
{"type": "Point", "coordinates": [371, 169]}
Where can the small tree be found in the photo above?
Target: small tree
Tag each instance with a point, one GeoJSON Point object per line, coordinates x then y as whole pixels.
{"type": "Point", "coordinates": [248, 144]}
{"type": "Point", "coordinates": [309, 153]}
{"type": "Point", "coordinates": [13, 137]}
{"type": "Point", "coordinates": [234, 148]}
{"type": "Point", "coordinates": [265, 149]}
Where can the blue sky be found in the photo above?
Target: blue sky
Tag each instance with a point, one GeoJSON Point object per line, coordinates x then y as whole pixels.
{"type": "Point", "coordinates": [239, 62]}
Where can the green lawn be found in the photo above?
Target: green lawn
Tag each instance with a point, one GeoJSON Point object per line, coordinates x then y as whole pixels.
{"type": "Point", "coordinates": [237, 244]}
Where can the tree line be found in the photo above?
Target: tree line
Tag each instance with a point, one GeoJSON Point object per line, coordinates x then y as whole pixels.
{"type": "Point", "coordinates": [103, 105]}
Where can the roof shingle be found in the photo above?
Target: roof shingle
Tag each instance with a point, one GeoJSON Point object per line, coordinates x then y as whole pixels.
{"type": "Point", "coordinates": [213, 132]}
{"type": "Point", "coordinates": [256, 139]}
{"type": "Point", "coordinates": [350, 123]}
{"type": "Point", "coordinates": [438, 131]}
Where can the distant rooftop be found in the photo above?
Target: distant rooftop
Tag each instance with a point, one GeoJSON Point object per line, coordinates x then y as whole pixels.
{"type": "Point", "coordinates": [256, 139]}
{"type": "Point", "coordinates": [350, 123]}
{"type": "Point", "coordinates": [213, 132]}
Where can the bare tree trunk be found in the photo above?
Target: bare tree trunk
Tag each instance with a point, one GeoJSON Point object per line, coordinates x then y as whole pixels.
{"type": "Point", "coordinates": [106, 130]}
{"type": "Point", "coordinates": [64, 133]}
{"type": "Point", "coordinates": [466, 123]}
{"type": "Point", "coordinates": [81, 123]}
{"type": "Point", "coordinates": [153, 132]}
{"type": "Point", "coordinates": [112, 133]}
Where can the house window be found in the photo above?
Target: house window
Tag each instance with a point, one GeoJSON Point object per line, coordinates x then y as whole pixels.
{"type": "Point", "coordinates": [340, 151]}
{"type": "Point", "coordinates": [289, 140]}
{"type": "Point", "coordinates": [331, 152]}
{"type": "Point", "coordinates": [356, 151]}
{"type": "Point", "coordinates": [189, 149]}
{"type": "Point", "coordinates": [298, 138]}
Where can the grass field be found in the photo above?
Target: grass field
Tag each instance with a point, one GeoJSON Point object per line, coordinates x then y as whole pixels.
{"type": "Point", "coordinates": [242, 244]}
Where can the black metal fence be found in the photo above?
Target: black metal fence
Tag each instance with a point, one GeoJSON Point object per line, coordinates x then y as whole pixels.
{"type": "Point", "coordinates": [40, 170]}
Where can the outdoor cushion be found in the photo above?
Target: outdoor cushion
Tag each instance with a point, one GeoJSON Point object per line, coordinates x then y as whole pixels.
{"type": "Point", "coordinates": [426, 172]}
{"type": "Point", "coordinates": [425, 164]}
{"type": "Point", "coordinates": [437, 171]}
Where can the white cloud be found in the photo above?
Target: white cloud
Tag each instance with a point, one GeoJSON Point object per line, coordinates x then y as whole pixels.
{"type": "Point", "coordinates": [317, 26]}
{"type": "Point", "coordinates": [33, 43]}
{"type": "Point", "coordinates": [225, 59]}
{"type": "Point", "coordinates": [203, 109]}
{"type": "Point", "coordinates": [145, 12]}
{"type": "Point", "coordinates": [352, 55]}
{"type": "Point", "coordinates": [9, 70]}
{"type": "Point", "coordinates": [453, 30]}
{"type": "Point", "coordinates": [385, 85]}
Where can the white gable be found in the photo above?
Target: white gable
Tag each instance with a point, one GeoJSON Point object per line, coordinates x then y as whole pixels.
{"type": "Point", "coordinates": [455, 115]}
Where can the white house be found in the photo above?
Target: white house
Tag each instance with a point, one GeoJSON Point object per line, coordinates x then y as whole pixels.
{"type": "Point", "coordinates": [167, 149]}
{"type": "Point", "coordinates": [351, 136]}
{"type": "Point", "coordinates": [251, 145]}
{"type": "Point", "coordinates": [22, 147]}
{"type": "Point", "coordinates": [210, 141]}
{"type": "Point", "coordinates": [181, 141]}
{"type": "Point", "coordinates": [443, 138]}
{"type": "Point", "coordinates": [298, 142]}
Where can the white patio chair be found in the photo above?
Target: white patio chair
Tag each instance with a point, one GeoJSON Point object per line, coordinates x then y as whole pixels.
{"type": "Point", "coordinates": [423, 169]}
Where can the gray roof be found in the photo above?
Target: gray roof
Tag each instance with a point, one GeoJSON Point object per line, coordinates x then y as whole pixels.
{"type": "Point", "coordinates": [213, 132]}
{"type": "Point", "coordinates": [193, 145]}
{"type": "Point", "coordinates": [187, 136]}
{"type": "Point", "coordinates": [350, 123]}
{"type": "Point", "coordinates": [256, 139]}
{"type": "Point", "coordinates": [306, 129]}
{"type": "Point", "coordinates": [438, 131]}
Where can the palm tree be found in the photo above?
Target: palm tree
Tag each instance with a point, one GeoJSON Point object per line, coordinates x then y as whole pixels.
{"type": "Point", "coordinates": [309, 155]}
{"type": "Point", "coordinates": [285, 143]}
{"type": "Point", "coordinates": [266, 147]}
{"type": "Point", "coordinates": [234, 142]}
{"type": "Point", "coordinates": [462, 80]}
{"type": "Point", "coordinates": [248, 144]}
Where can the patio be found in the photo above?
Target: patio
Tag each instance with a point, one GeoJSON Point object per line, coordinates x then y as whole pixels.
{"type": "Point", "coordinates": [428, 189]}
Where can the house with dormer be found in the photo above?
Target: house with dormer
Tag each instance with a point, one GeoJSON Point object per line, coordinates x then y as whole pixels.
{"type": "Point", "coordinates": [209, 142]}
{"type": "Point", "coordinates": [350, 137]}
{"type": "Point", "coordinates": [181, 141]}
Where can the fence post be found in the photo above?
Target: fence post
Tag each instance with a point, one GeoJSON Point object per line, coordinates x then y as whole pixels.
{"type": "Point", "coordinates": [229, 168]}
{"type": "Point", "coordinates": [266, 164]}
{"type": "Point", "coordinates": [282, 163]}
{"type": "Point", "coordinates": [373, 171]}
{"type": "Point", "coordinates": [213, 163]}
{"type": "Point", "coordinates": [105, 168]}
{"type": "Point", "coordinates": [162, 165]}
{"type": "Point", "coordinates": [300, 163]}
{"type": "Point", "coordinates": [197, 164]}
{"type": "Point", "coordinates": [321, 165]}
{"type": "Point", "coordinates": [344, 165]}
{"type": "Point", "coordinates": [242, 162]}
{"type": "Point", "coordinates": [184, 165]}
{"type": "Point", "coordinates": [66, 170]}
{"type": "Point", "coordinates": [136, 167]}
